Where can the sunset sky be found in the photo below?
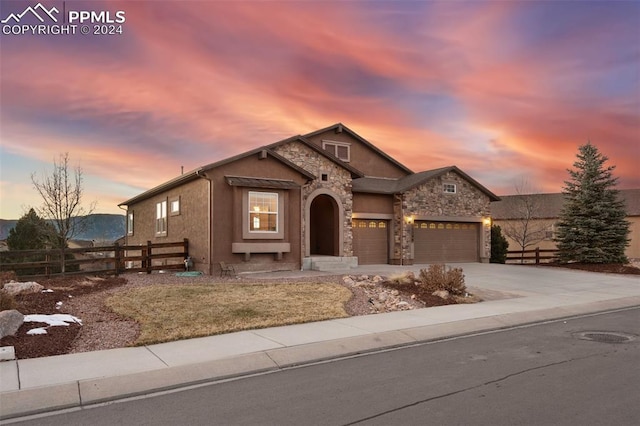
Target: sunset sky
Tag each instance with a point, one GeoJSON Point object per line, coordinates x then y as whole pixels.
{"type": "Point", "coordinates": [505, 90]}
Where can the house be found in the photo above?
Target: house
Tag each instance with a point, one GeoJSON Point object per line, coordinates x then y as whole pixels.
{"type": "Point", "coordinates": [325, 200]}
{"type": "Point", "coordinates": [545, 213]}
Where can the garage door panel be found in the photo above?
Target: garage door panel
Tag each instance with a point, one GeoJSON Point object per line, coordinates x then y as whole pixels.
{"type": "Point", "coordinates": [445, 242]}
{"type": "Point", "coordinates": [371, 241]}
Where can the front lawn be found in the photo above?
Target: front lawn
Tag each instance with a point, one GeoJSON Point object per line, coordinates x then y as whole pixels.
{"type": "Point", "coordinates": [167, 313]}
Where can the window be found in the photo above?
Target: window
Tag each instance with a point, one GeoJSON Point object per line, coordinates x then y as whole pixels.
{"type": "Point", "coordinates": [161, 219]}
{"type": "Point", "coordinates": [174, 205]}
{"type": "Point", "coordinates": [339, 149]}
{"type": "Point", "coordinates": [130, 223]}
{"type": "Point", "coordinates": [263, 212]}
{"type": "Point", "coordinates": [449, 188]}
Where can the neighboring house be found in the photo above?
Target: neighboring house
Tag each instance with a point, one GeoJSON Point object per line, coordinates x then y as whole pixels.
{"type": "Point", "coordinates": [547, 214]}
{"type": "Point", "coordinates": [328, 199]}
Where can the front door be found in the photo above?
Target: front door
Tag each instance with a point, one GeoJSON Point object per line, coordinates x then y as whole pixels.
{"type": "Point", "coordinates": [323, 217]}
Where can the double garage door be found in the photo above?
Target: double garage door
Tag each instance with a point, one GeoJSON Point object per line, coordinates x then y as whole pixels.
{"type": "Point", "coordinates": [434, 242]}
{"type": "Point", "coordinates": [371, 241]}
{"type": "Point", "coordinates": [445, 242]}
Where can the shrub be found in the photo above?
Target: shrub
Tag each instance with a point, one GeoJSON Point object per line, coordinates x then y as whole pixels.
{"type": "Point", "coordinates": [439, 277]}
{"type": "Point", "coordinates": [499, 245]}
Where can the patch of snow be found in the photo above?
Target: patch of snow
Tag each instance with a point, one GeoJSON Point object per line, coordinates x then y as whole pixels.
{"type": "Point", "coordinates": [53, 320]}
{"type": "Point", "coordinates": [48, 290]}
{"type": "Point", "coordinates": [34, 331]}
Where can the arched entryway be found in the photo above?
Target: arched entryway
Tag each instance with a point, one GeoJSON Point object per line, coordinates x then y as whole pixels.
{"type": "Point", "coordinates": [324, 220]}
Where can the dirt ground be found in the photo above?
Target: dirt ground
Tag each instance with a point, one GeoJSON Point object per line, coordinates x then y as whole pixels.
{"type": "Point", "coordinates": [84, 298]}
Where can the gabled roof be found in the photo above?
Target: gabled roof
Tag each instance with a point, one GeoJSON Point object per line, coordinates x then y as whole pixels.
{"type": "Point", "coordinates": [355, 173]}
{"type": "Point", "coordinates": [549, 206]}
{"type": "Point", "coordinates": [199, 172]}
{"type": "Point", "coordinates": [396, 186]}
{"type": "Point", "coordinates": [341, 127]}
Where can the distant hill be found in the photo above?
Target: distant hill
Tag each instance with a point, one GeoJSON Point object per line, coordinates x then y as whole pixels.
{"type": "Point", "coordinates": [103, 227]}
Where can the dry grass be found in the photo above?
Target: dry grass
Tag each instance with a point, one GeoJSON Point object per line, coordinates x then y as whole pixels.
{"type": "Point", "coordinates": [167, 313]}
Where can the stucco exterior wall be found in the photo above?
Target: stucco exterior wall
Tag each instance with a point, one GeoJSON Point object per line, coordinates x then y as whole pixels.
{"type": "Point", "coordinates": [228, 223]}
{"type": "Point", "coordinates": [188, 223]}
{"type": "Point", "coordinates": [372, 203]}
{"type": "Point", "coordinates": [362, 158]}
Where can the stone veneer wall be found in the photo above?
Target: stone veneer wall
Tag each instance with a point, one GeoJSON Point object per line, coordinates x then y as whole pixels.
{"type": "Point", "coordinates": [339, 182]}
{"type": "Point", "coordinates": [430, 200]}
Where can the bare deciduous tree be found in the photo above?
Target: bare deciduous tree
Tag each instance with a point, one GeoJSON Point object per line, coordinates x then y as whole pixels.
{"type": "Point", "coordinates": [525, 209]}
{"type": "Point", "coordinates": [61, 192]}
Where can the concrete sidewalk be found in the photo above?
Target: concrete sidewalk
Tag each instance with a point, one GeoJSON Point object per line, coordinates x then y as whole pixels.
{"type": "Point", "coordinates": [535, 294]}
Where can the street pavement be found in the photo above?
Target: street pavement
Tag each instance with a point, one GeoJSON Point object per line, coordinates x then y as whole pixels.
{"type": "Point", "coordinates": [521, 295]}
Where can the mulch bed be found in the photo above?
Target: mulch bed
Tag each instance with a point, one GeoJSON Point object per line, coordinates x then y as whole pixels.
{"type": "Point", "coordinates": [421, 294]}
{"type": "Point", "coordinates": [58, 339]}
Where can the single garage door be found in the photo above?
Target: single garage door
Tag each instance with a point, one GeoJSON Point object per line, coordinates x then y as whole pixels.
{"type": "Point", "coordinates": [371, 241]}
{"type": "Point", "coordinates": [445, 242]}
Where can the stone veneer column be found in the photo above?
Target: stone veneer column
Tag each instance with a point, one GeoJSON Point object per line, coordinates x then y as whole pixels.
{"type": "Point", "coordinates": [338, 184]}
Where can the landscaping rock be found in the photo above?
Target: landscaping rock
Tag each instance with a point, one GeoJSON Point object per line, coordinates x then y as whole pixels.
{"type": "Point", "coordinates": [443, 294]}
{"type": "Point", "coordinates": [348, 280]}
{"type": "Point", "coordinates": [10, 322]}
{"type": "Point", "coordinates": [13, 288]}
{"type": "Point", "coordinates": [381, 299]}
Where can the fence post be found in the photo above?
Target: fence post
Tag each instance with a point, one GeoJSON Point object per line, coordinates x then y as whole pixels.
{"type": "Point", "coordinates": [537, 255]}
{"type": "Point", "coordinates": [148, 255]}
{"type": "Point", "coordinates": [186, 247]}
{"type": "Point", "coordinates": [118, 257]}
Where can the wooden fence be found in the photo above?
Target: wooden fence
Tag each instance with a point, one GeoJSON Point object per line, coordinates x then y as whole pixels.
{"type": "Point", "coordinates": [114, 259]}
{"type": "Point", "coordinates": [537, 255]}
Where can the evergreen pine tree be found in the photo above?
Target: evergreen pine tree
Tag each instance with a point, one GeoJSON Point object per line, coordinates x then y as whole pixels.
{"type": "Point", "coordinates": [30, 233]}
{"type": "Point", "coordinates": [499, 245]}
{"type": "Point", "coordinates": [593, 226]}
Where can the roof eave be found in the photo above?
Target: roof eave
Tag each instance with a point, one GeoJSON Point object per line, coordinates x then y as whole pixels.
{"type": "Point", "coordinates": [180, 180]}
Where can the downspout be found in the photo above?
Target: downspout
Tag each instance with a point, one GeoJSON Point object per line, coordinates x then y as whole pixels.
{"type": "Point", "coordinates": [401, 229]}
{"type": "Point", "coordinates": [202, 175]}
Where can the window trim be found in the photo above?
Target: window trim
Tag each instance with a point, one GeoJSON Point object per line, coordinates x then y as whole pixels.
{"type": "Point", "coordinates": [161, 217]}
{"type": "Point", "coordinates": [247, 233]}
{"type": "Point", "coordinates": [446, 186]}
{"type": "Point", "coordinates": [276, 213]}
{"type": "Point", "coordinates": [334, 151]}
{"type": "Point", "coordinates": [171, 203]}
{"type": "Point", "coordinates": [130, 219]}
